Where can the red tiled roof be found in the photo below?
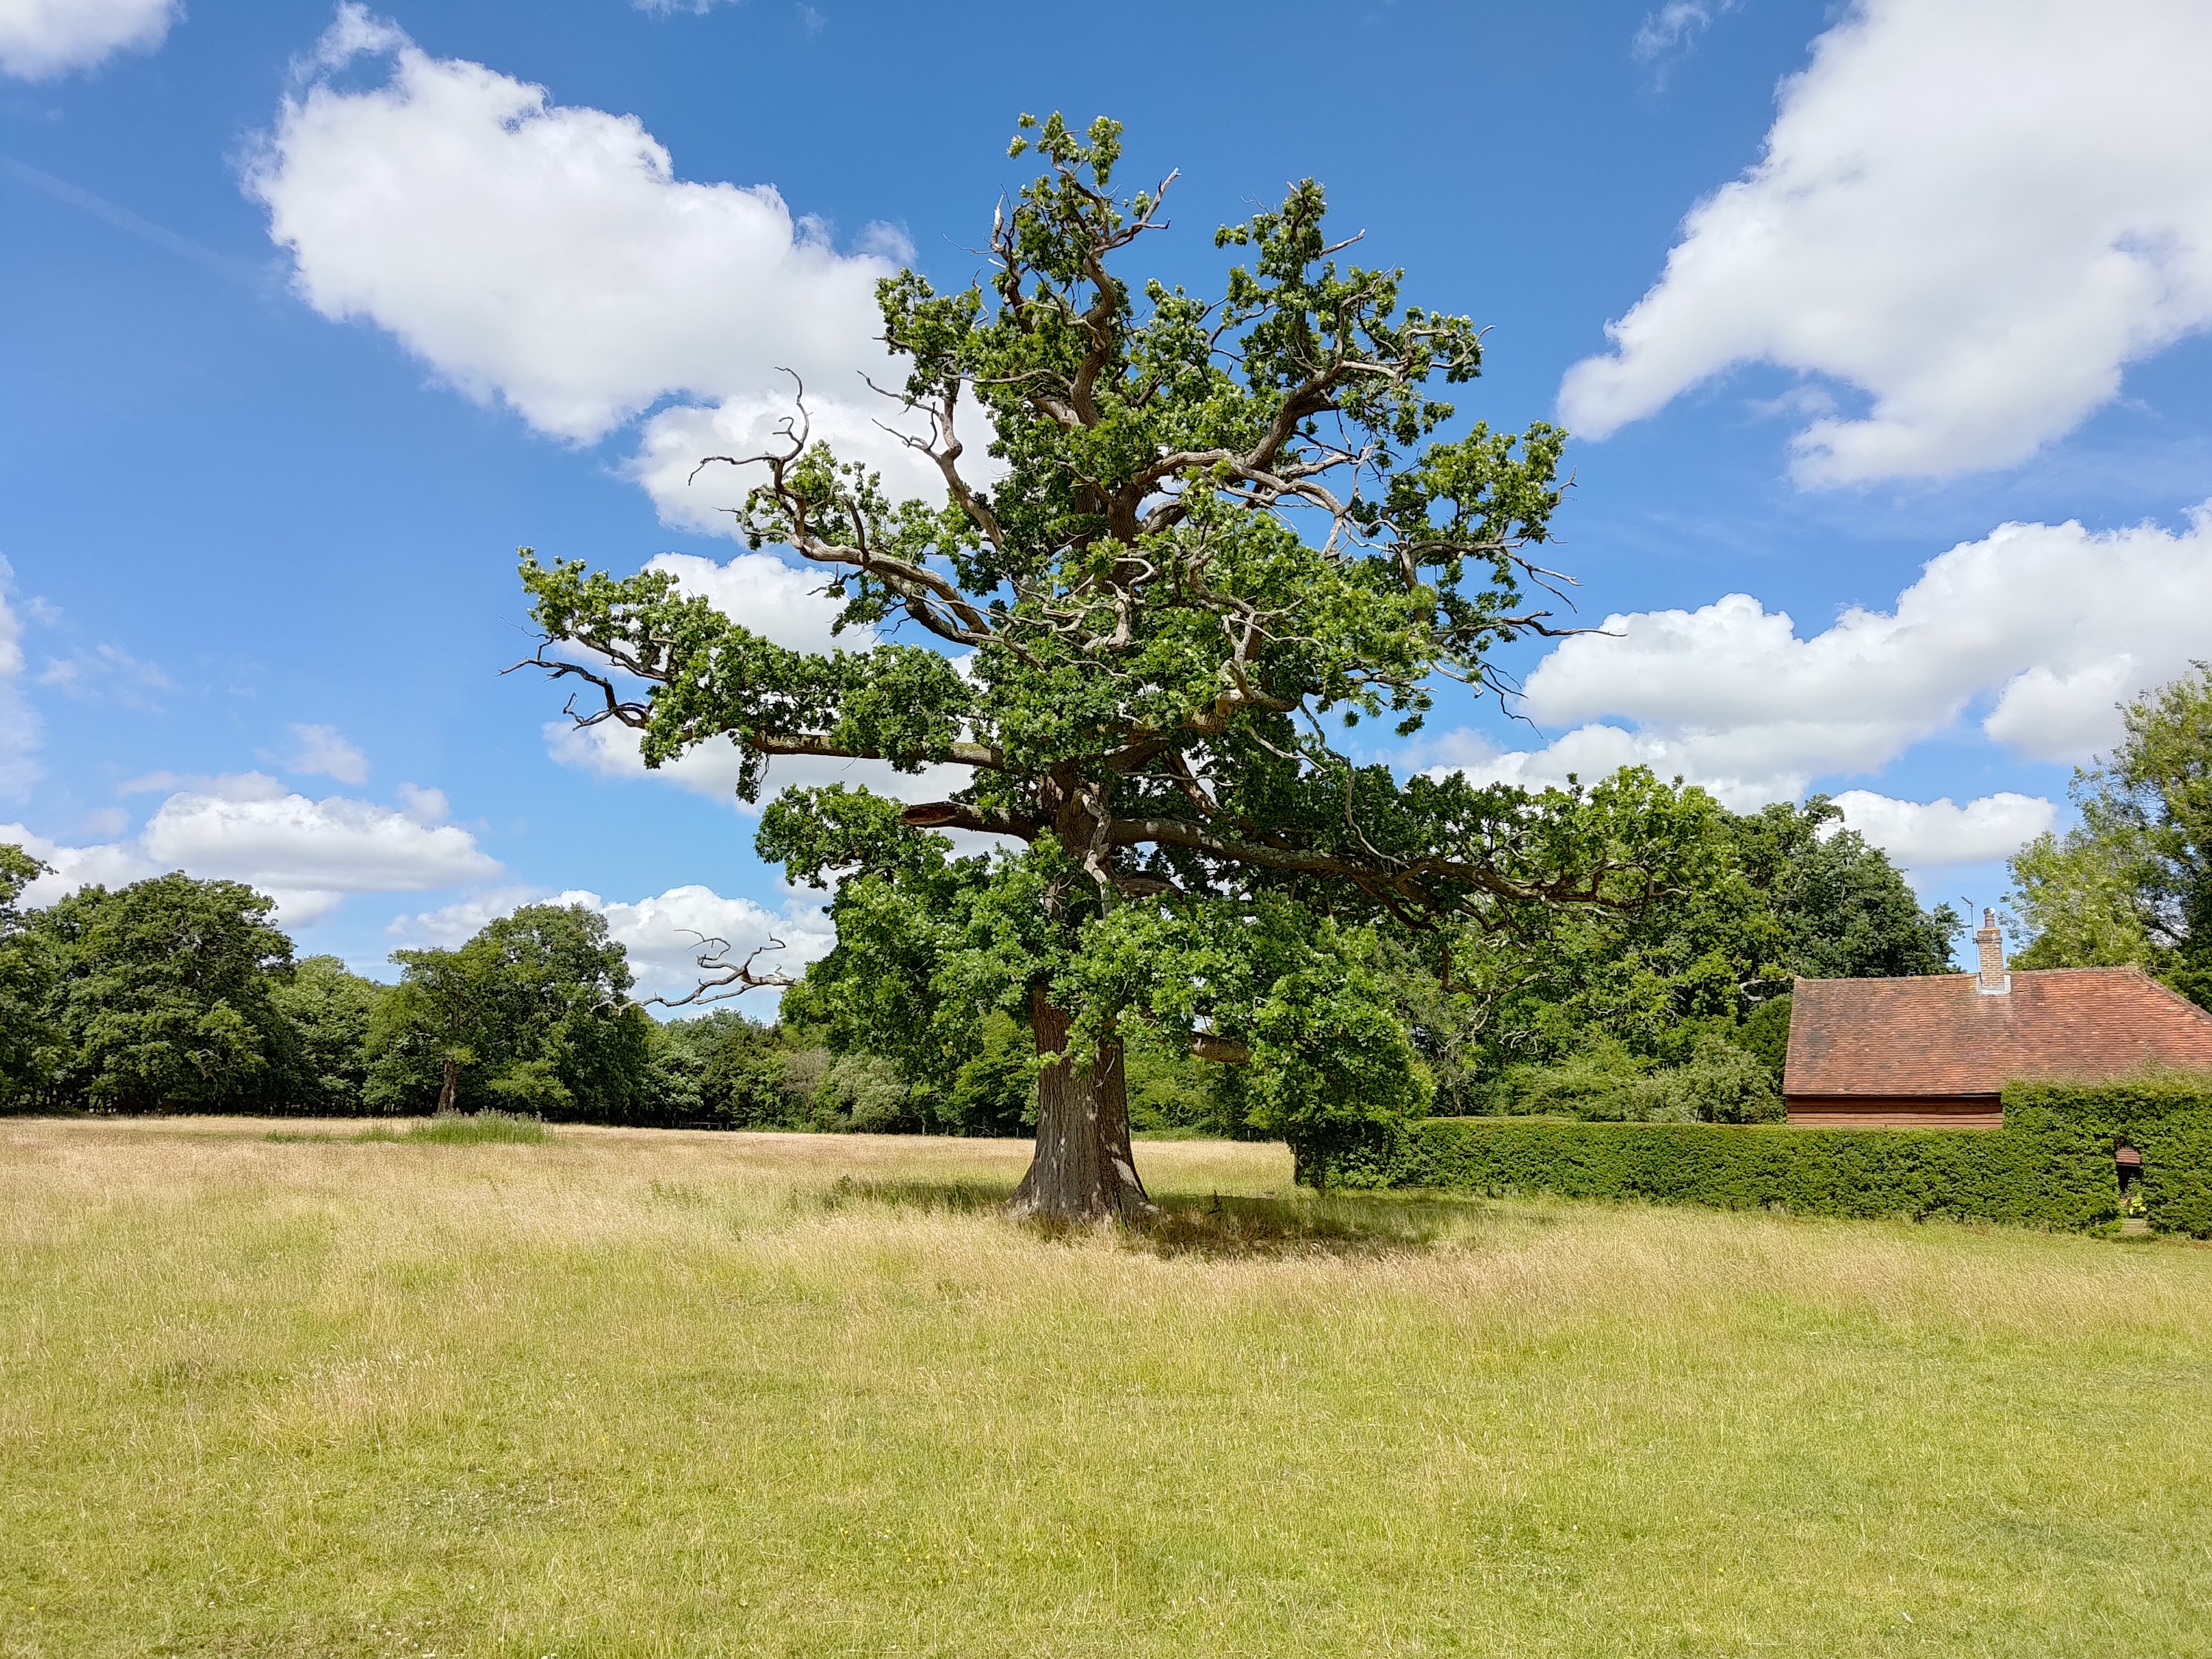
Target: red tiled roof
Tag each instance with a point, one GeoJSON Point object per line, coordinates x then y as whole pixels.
{"type": "Point", "coordinates": [1938, 1035]}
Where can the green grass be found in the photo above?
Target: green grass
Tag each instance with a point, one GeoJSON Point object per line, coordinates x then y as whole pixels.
{"type": "Point", "coordinates": [471, 1129]}
{"type": "Point", "coordinates": [671, 1394]}
{"type": "Point", "coordinates": [483, 1128]}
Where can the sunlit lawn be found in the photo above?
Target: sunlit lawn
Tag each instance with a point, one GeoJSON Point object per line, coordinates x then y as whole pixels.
{"type": "Point", "coordinates": [629, 1392]}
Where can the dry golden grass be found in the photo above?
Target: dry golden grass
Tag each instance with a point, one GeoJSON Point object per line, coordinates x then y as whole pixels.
{"type": "Point", "coordinates": [633, 1393]}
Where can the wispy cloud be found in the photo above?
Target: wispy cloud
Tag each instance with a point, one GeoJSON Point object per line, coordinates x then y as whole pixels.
{"type": "Point", "coordinates": [324, 752]}
{"type": "Point", "coordinates": [124, 220]}
{"type": "Point", "coordinates": [1674, 27]}
{"type": "Point", "coordinates": [106, 674]}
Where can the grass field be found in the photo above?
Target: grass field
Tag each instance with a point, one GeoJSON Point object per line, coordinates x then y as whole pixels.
{"type": "Point", "coordinates": [629, 1392]}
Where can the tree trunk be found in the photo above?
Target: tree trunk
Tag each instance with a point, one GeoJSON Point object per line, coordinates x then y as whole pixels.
{"type": "Point", "coordinates": [1083, 1169]}
{"type": "Point", "coordinates": [449, 1090]}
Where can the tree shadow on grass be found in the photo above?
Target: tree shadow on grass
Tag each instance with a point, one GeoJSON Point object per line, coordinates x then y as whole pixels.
{"type": "Point", "coordinates": [1351, 1225]}
{"type": "Point", "coordinates": [1220, 1227]}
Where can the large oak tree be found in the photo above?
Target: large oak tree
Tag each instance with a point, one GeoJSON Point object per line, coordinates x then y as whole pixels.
{"type": "Point", "coordinates": [1209, 535]}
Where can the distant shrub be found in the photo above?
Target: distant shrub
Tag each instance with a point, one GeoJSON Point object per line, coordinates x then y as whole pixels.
{"type": "Point", "coordinates": [995, 1093]}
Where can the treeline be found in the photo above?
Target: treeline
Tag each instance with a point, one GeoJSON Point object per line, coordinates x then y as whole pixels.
{"type": "Point", "coordinates": [178, 995]}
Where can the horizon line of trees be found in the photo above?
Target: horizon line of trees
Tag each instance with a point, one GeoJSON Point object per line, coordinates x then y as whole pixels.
{"type": "Point", "coordinates": [178, 994]}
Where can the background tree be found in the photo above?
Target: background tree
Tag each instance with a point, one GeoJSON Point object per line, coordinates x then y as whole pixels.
{"type": "Point", "coordinates": [161, 998]}
{"type": "Point", "coordinates": [2131, 884]}
{"type": "Point", "coordinates": [26, 978]}
{"type": "Point", "coordinates": [1614, 997]}
{"type": "Point", "coordinates": [722, 1068]}
{"type": "Point", "coordinates": [1216, 528]}
{"type": "Point", "coordinates": [533, 1014]}
{"type": "Point", "coordinates": [1844, 910]}
{"type": "Point", "coordinates": [330, 1009]}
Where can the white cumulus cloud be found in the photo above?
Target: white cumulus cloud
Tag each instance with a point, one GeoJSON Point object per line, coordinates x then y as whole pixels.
{"type": "Point", "coordinates": [1933, 834]}
{"type": "Point", "coordinates": [44, 38]}
{"type": "Point", "coordinates": [780, 602]}
{"type": "Point", "coordinates": [672, 443]}
{"type": "Point", "coordinates": [72, 867]}
{"type": "Point", "coordinates": [1977, 212]}
{"type": "Point", "coordinates": [306, 854]}
{"type": "Point", "coordinates": [611, 750]}
{"type": "Point", "coordinates": [549, 256]}
{"type": "Point", "coordinates": [309, 853]}
{"type": "Point", "coordinates": [2045, 626]}
{"type": "Point", "coordinates": [664, 953]}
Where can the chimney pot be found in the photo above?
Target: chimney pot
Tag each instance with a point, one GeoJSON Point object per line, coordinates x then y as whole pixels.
{"type": "Point", "coordinates": [1993, 981]}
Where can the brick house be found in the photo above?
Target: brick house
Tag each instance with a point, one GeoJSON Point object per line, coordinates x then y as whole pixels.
{"type": "Point", "coordinates": [1934, 1052]}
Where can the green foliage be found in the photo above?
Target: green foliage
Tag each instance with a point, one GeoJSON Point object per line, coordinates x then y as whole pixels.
{"type": "Point", "coordinates": [864, 1094]}
{"type": "Point", "coordinates": [1721, 1082]}
{"type": "Point", "coordinates": [719, 1068]}
{"type": "Point", "coordinates": [532, 1014]}
{"type": "Point", "coordinates": [1764, 1033]}
{"type": "Point", "coordinates": [1844, 910]}
{"type": "Point", "coordinates": [1333, 1069]}
{"type": "Point", "coordinates": [995, 1093]}
{"type": "Point", "coordinates": [2077, 894]}
{"type": "Point", "coordinates": [1754, 900]}
{"type": "Point", "coordinates": [161, 999]}
{"type": "Point", "coordinates": [1717, 1082]}
{"type": "Point", "coordinates": [2131, 884]}
{"type": "Point", "coordinates": [2050, 1165]}
{"type": "Point", "coordinates": [1597, 1082]}
{"type": "Point", "coordinates": [330, 1011]}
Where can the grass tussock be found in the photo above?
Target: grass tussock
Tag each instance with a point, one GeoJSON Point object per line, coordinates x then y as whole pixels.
{"type": "Point", "coordinates": [643, 1394]}
{"type": "Point", "coordinates": [486, 1128]}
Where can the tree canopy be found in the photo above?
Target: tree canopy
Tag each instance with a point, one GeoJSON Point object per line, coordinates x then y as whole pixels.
{"type": "Point", "coordinates": [2131, 884]}
{"type": "Point", "coordinates": [160, 997]}
{"type": "Point", "coordinates": [25, 978]}
{"type": "Point", "coordinates": [1772, 895]}
{"type": "Point", "coordinates": [1210, 534]}
{"type": "Point", "coordinates": [532, 1015]}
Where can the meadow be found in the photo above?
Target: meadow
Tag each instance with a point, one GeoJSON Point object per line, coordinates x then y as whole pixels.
{"type": "Point", "coordinates": [287, 1390]}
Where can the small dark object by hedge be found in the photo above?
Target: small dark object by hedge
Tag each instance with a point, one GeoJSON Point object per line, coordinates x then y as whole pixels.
{"type": "Point", "coordinates": [2050, 1166]}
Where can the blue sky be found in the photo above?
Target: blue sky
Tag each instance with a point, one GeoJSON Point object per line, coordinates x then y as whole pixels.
{"type": "Point", "coordinates": [310, 316]}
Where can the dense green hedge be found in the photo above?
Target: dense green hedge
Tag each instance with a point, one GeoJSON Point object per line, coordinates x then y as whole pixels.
{"type": "Point", "coordinates": [2166, 1116]}
{"type": "Point", "coordinates": [2050, 1166]}
{"type": "Point", "coordinates": [2036, 1181]}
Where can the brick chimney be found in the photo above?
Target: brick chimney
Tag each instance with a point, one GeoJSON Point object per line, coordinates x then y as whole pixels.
{"type": "Point", "coordinates": [1993, 981]}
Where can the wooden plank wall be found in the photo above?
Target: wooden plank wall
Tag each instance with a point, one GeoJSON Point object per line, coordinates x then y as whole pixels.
{"type": "Point", "coordinates": [1895, 1111]}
